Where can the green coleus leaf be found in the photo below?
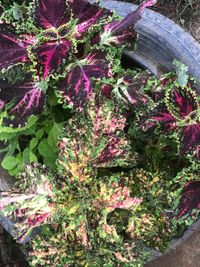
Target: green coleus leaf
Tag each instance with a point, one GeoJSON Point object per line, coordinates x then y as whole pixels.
{"type": "Point", "coordinates": [48, 154]}
{"type": "Point", "coordinates": [33, 143]}
{"type": "Point", "coordinates": [53, 134]}
{"type": "Point", "coordinates": [9, 162]}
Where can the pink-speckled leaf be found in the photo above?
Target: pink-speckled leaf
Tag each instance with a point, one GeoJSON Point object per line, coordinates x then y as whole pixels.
{"type": "Point", "coordinates": [95, 138]}
{"type": "Point", "coordinates": [113, 150]}
{"type": "Point", "coordinates": [76, 87]}
{"type": "Point", "coordinates": [190, 198]}
{"type": "Point", "coordinates": [51, 13]}
{"type": "Point", "coordinates": [12, 50]}
{"type": "Point", "coordinates": [87, 14]}
{"type": "Point", "coordinates": [123, 31]}
{"type": "Point", "coordinates": [24, 212]}
{"type": "Point", "coordinates": [51, 54]}
{"type": "Point", "coordinates": [25, 99]}
{"type": "Point", "coordinates": [121, 199]}
{"type": "Point", "coordinates": [183, 101]}
{"type": "Point", "coordinates": [28, 208]}
{"type": "Point", "coordinates": [190, 138]}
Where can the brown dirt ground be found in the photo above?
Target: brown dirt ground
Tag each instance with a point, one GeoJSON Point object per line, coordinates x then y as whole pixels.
{"type": "Point", "coordinates": [185, 13]}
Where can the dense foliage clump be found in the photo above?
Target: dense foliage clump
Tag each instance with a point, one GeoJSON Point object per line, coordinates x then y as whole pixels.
{"type": "Point", "coordinates": [106, 159]}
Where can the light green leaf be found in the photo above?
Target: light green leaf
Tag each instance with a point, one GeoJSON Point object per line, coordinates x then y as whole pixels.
{"type": "Point", "coordinates": [39, 134]}
{"type": "Point", "coordinates": [53, 135]}
{"type": "Point", "coordinates": [9, 162]}
{"type": "Point", "coordinates": [44, 148]}
{"type": "Point", "coordinates": [33, 157]}
{"type": "Point", "coordinates": [33, 143]}
{"type": "Point", "coordinates": [26, 155]}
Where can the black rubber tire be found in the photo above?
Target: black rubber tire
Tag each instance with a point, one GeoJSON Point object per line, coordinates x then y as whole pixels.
{"type": "Point", "coordinates": [160, 41]}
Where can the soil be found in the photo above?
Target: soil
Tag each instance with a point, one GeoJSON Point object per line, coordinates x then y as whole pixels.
{"type": "Point", "coordinates": [185, 13]}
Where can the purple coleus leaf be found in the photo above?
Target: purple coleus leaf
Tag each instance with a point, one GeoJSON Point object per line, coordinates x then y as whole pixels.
{"type": "Point", "coordinates": [190, 198]}
{"type": "Point", "coordinates": [51, 54]}
{"type": "Point", "coordinates": [128, 90]}
{"type": "Point", "coordinates": [182, 102]}
{"type": "Point", "coordinates": [177, 112]}
{"type": "Point", "coordinates": [51, 13]}
{"type": "Point", "coordinates": [87, 14]}
{"type": "Point", "coordinates": [24, 99]}
{"type": "Point", "coordinates": [123, 32]}
{"type": "Point", "coordinates": [76, 87]}
{"type": "Point", "coordinates": [12, 50]}
{"type": "Point", "coordinates": [159, 115]}
{"type": "Point", "coordinates": [190, 138]}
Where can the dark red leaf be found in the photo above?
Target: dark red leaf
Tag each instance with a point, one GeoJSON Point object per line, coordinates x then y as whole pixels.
{"type": "Point", "coordinates": [76, 87]}
{"type": "Point", "coordinates": [12, 50]}
{"type": "Point", "coordinates": [124, 31]}
{"type": "Point", "coordinates": [87, 14]}
{"type": "Point", "coordinates": [51, 13]}
{"type": "Point", "coordinates": [190, 138]}
{"type": "Point", "coordinates": [51, 54]}
{"type": "Point", "coordinates": [133, 94]}
{"type": "Point", "coordinates": [183, 101]}
{"type": "Point", "coordinates": [190, 198]}
{"type": "Point", "coordinates": [25, 99]}
{"type": "Point", "coordinates": [159, 115]}
{"type": "Point", "coordinates": [106, 89]}
{"type": "Point", "coordinates": [197, 152]}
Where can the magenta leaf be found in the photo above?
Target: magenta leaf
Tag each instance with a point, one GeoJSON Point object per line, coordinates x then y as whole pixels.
{"type": "Point", "coordinates": [129, 91]}
{"type": "Point", "coordinates": [87, 14]}
{"type": "Point", "coordinates": [12, 50]}
{"type": "Point", "coordinates": [158, 116]}
{"type": "Point", "coordinates": [51, 54]}
{"type": "Point", "coordinates": [24, 99]}
{"type": "Point", "coordinates": [51, 13]}
{"type": "Point", "coordinates": [123, 32]}
{"type": "Point", "coordinates": [182, 101]}
{"type": "Point", "coordinates": [190, 198]}
{"type": "Point", "coordinates": [76, 87]}
{"type": "Point", "coordinates": [190, 138]}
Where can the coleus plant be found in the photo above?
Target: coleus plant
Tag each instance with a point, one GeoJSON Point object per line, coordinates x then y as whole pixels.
{"type": "Point", "coordinates": [27, 208]}
{"type": "Point", "coordinates": [72, 50]}
{"type": "Point", "coordinates": [54, 46]}
{"type": "Point", "coordinates": [77, 200]}
{"type": "Point", "coordinates": [176, 111]}
{"type": "Point", "coordinates": [188, 206]}
{"type": "Point", "coordinates": [102, 144]}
